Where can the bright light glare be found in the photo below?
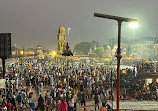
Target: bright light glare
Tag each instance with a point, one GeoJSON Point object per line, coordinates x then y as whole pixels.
{"type": "Point", "coordinates": [21, 52]}
{"type": "Point", "coordinates": [54, 53]}
{"type": "Point", "coordinates": [133, 25]}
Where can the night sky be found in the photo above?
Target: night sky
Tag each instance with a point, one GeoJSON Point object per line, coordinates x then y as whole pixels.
{"type": "Point", "coordinates": [34, 22]}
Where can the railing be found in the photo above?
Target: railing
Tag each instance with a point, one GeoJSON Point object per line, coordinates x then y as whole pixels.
{"type": "Point", "coordinates": [150, 74]}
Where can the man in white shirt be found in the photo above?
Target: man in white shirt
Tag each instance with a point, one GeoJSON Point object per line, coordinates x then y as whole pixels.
{"type": "Point", "coordinates": [71, 104]}
{"type": "Point", "coordinates": [102, 98]}
{"type": "Point", "coordinates": [17, 82]}
{"type": "Point", "coordinates": [41, 86]}
{"type": "Point", "coordinates": [75, 101]}
{"type": "Point", "coordinates": [4, 109]}
{"type": "Point", "coordinates": [23, 94]}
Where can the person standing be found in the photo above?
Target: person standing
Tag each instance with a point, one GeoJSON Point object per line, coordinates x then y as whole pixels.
{"type": "Point", "coordinates": [83, 99]}
{"type": "Point", "coordinates": [58, 105]}
{"type": "Point", "coordinates": [19, 98]}
{"type": "Point", "coordinates": [81, 87]}
{"type": "Point", "coordinates": [96, 99]}
{"type": "Point", "coordinates": [23, 95]}
{"type": "Point", "coordinates": [46, 96]}
{"type": "Point", "coordinates": [8, 106]}
{"type": "Point", "coordinates": [79, 97]}
{"type": "Point", "coordinates": [40, 103]}
{"type": "Point", "coordinates": [49, 102]}
{"type": "Point", "coordinates": [3, 106]}
{"type": "Point", "coordinates": [103, 98]}
{"type": "Point", "coordinates": [63, 106]}
{"type": "Point", "coordinates": [75, 101]}
{"type": "Point", "coordinates": [41, 86]}
{"type": "Point", "coordinates": [71, 104]}
{"type": "Point", "coordinates": [17, 82]}
{"type": "Point", "coordinates": [13, 107]}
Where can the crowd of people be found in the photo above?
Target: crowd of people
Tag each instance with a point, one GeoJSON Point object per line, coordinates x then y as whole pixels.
{"type": "Point", "coordinates": [67, 86]}
{"type": "Point", "coordinates": [137, 88]}
{"type": "Point", "coordinates": [45, 85]}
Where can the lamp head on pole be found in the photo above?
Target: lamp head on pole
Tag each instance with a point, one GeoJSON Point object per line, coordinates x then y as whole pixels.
{"type": "Point", "coordinates": [119, 19]}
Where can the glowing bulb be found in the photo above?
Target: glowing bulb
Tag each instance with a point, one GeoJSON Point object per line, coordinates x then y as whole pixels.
{"type": "Point", "coordinates": [54, 53]}
{"type": "Point", "coordinates": [21, 52]}
{"type": "Point", "coordinates": [133, 25]}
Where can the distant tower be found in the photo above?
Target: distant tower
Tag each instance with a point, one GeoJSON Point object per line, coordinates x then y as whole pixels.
{"type": "Point", "coordinates": [40, 52]}
{"type": "Point", "coordinates": [90, 51]}
{"type": "Point", "coordinates": [39, 49]}
{"type": "Point", "coordinates": [61, 40]}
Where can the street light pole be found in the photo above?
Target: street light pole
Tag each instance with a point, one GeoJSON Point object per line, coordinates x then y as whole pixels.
{"type": "Point", "coordinates": [118, 63]}
{"type": "Point", "coordinates": [119, 20]}
{"type": "Point", "coordinates": [112, 88]}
